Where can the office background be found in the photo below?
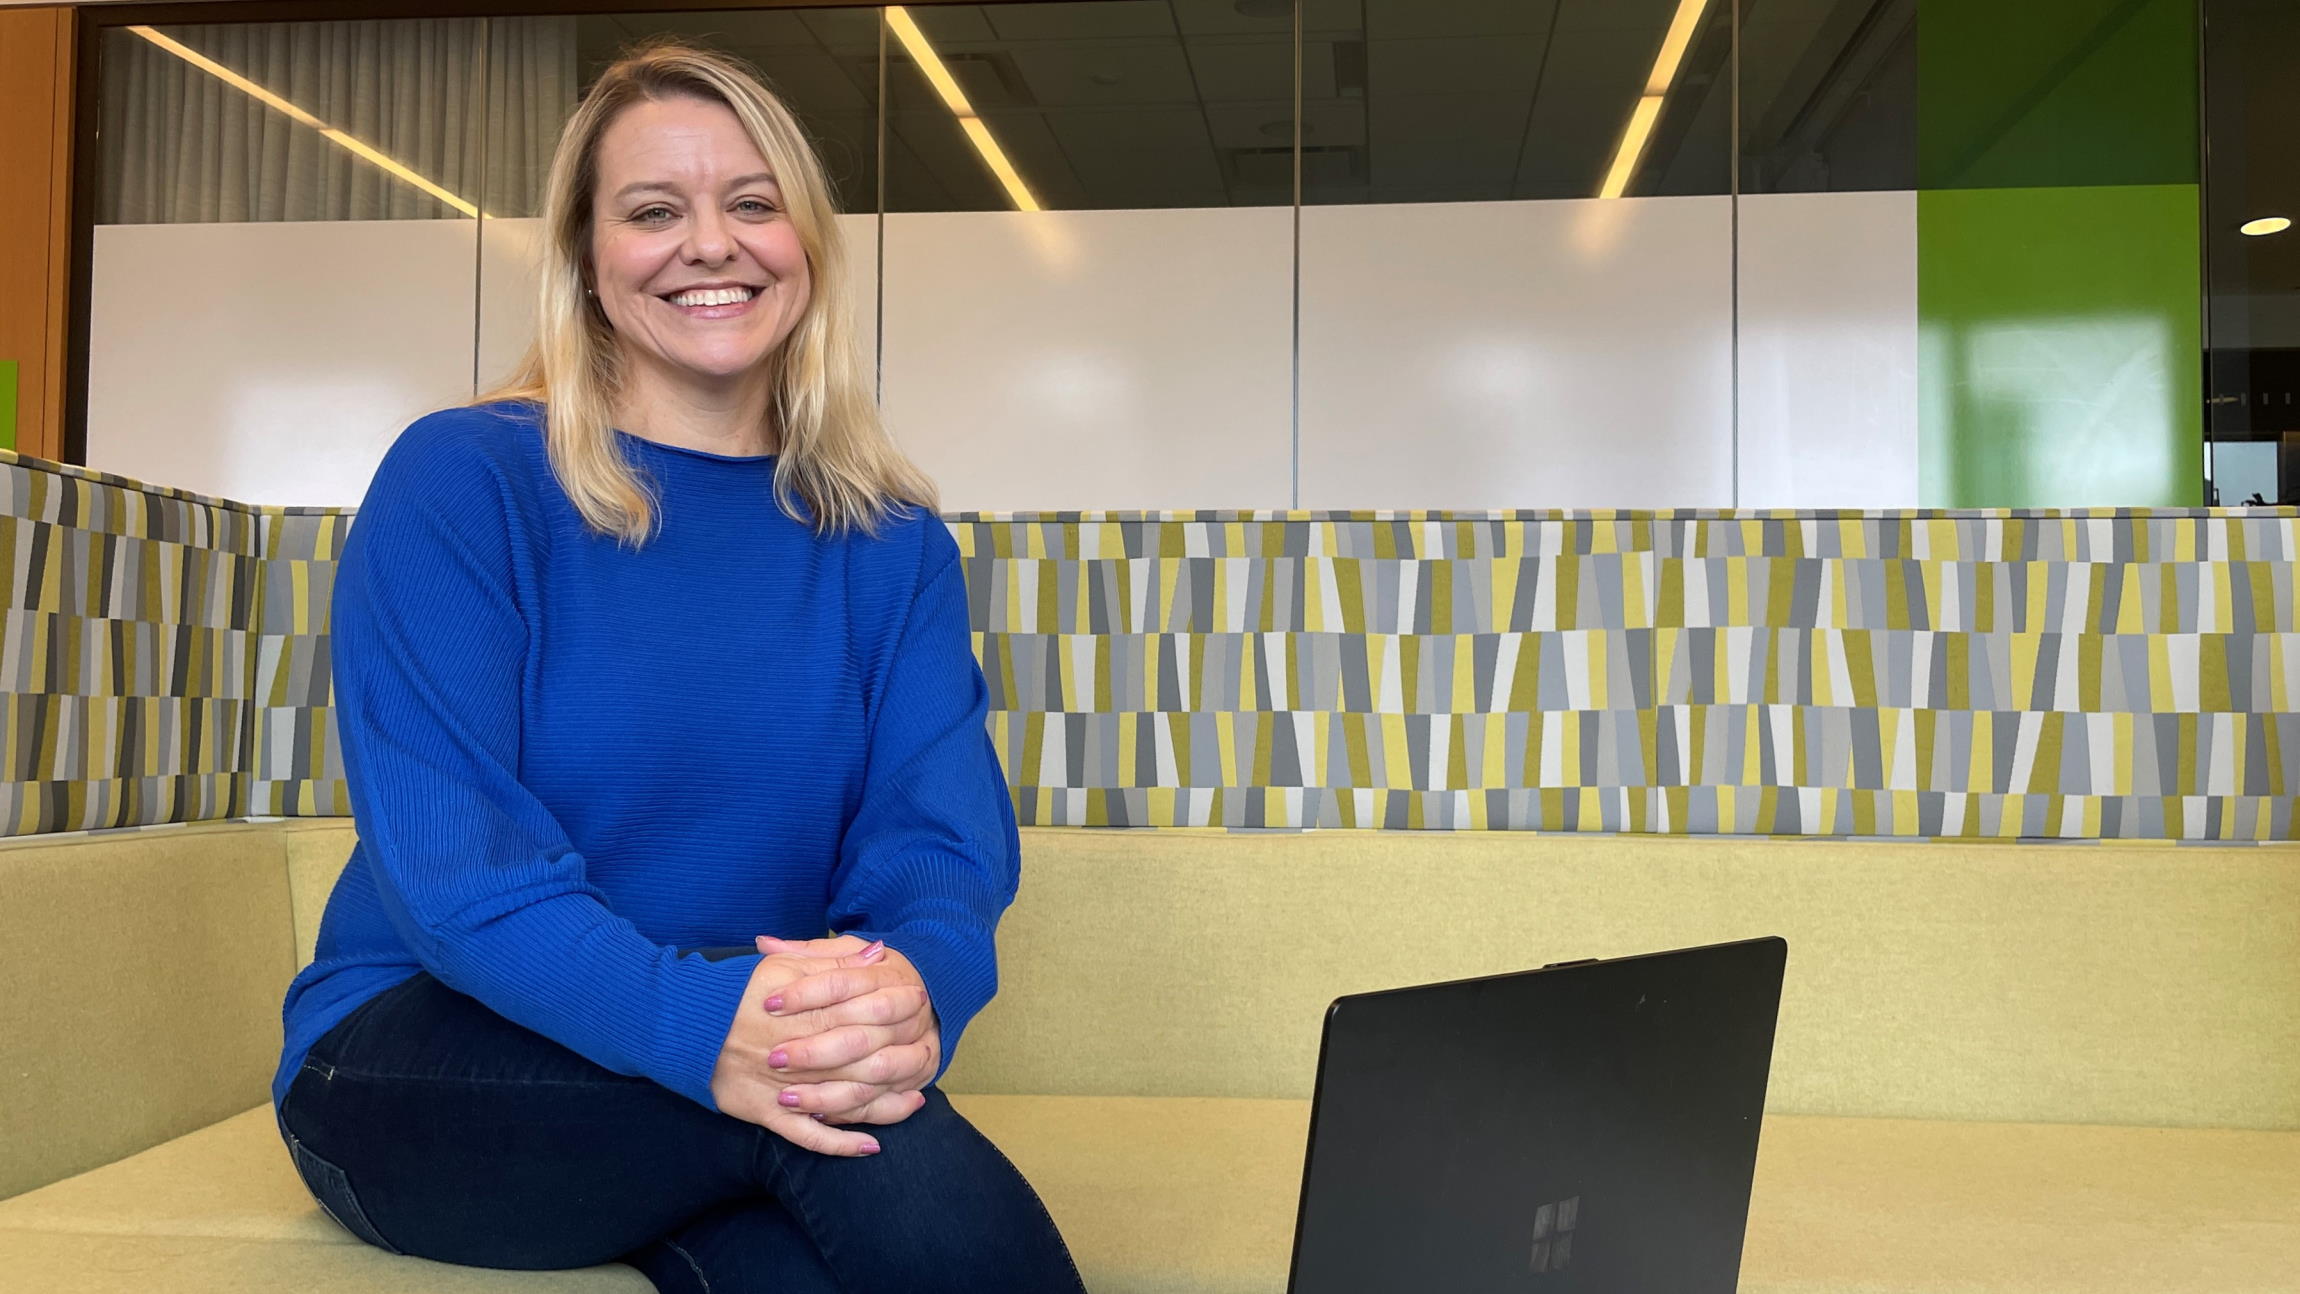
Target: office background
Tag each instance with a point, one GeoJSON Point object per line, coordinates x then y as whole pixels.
{"type": "Point", "coordinates": [1357, 254]}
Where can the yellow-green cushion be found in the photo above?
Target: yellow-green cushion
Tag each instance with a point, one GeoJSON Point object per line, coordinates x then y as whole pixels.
{"type": "Point", "coordinates": [1160, 1195]}
{"type": "Point", "coordinates": [1167, 1196]}
{"type": "Point", "coordinates": [140, 981]}
{"type": "Point", "coordinates": [228, 1181]}
{"type": "Point", "coordinates": [55, 1263]}
{"type": "Point", "coordinates": [1846, 1205]}
{"type": "Point", "coordinates": [2136, 984]}
{"type": "Point", "coordinates": [2108, 983]}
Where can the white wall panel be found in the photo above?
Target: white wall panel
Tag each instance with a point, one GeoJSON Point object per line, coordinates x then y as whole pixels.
{"type": "Point", "coordinates": [1828, 319]}
{"type": "Point", "coordinates": [1466, 355]}
{"type": "Point", "coordinates": [1093, 359]}
{"type": "Point", "coordinates": [1567, 354]}
{"type": "Point", "coordinates": [273, 362]}
{"type": "Point", "coordinates": [508, 249]}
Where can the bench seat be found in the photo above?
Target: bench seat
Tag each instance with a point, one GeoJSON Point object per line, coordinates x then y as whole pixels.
{"type": "Point", "coordinates": [1184, 1195]}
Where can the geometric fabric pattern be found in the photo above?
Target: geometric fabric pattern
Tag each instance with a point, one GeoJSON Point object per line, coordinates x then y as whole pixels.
{"type": "Point", "coordinates": [296, 767]}
{"type": "Point", "coordinates": [2110, 674]}
{"type": "Point", "coordinates": [126, 652]}
{"type": "Point", "coordinates": [2104, 674]}
{"type": "Point", "coordinates": [164, 654]}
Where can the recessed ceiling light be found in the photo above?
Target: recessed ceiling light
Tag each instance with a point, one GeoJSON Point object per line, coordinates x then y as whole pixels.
{"type": "Point", "coordinates": [1641, 117]}
{"type": "Point", "coordinates": [2265, 225]}
{"type": "Point", "coordinates": [938, 74]}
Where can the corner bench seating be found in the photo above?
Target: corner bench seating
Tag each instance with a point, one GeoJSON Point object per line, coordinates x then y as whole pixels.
{"type": "Point", "coordinates": [2000, 1067]}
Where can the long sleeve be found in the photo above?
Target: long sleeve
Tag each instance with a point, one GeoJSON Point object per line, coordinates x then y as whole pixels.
{"type": "Point", "coordinates": [431, 646]}
{"type": "Point", "coordinates": [932, 858]}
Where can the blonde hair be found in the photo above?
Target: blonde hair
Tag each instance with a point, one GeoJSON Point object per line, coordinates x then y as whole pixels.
{"type": "Point", "coordinates": [835, 455]}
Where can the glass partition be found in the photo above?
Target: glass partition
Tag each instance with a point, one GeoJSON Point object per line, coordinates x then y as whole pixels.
{"type": "Point", "coordinates": [1275, 253]}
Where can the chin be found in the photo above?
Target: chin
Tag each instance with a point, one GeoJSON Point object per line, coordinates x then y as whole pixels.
{"type": "Point", "coordinates": [719, 368]}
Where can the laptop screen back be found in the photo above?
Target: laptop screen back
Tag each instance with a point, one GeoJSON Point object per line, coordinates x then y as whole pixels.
{"type": "Point", "coordinates": [1583, 1129]}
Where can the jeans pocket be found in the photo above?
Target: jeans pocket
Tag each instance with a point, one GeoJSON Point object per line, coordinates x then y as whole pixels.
{"type": "Point", "coordinates": [332, 1190]}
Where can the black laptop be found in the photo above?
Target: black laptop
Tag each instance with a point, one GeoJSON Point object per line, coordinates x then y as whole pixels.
{"type": "Point", "coordinates": [1588, 1127]}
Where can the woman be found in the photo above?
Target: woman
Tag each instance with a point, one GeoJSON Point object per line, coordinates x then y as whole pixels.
{"type": "Point", "coordinates": [659, 647]}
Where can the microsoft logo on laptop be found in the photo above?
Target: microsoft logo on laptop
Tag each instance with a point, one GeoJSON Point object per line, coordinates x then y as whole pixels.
{"type": "Point", "coordinates": [1553, 1234]}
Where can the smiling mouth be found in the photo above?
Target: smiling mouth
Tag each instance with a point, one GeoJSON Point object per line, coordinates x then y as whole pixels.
{"type": "Point", "coordinates": [701, 298]}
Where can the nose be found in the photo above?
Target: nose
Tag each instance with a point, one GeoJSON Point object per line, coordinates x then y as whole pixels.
{"type": "Point", "coordinates": [707, 240]}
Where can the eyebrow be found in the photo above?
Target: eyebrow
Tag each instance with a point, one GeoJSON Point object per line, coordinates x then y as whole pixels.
{"type": "Point", "coordinates": [643, 186]}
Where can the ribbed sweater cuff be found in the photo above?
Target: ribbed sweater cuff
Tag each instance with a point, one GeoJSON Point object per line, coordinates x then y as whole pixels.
{"type": "Point", "coordinates": [609, 994]}
{"type": "Point", "coordinates": [696, 1019]}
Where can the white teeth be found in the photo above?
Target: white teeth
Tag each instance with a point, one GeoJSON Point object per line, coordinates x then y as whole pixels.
{"type": "Point", "coordinates": [713, 296]}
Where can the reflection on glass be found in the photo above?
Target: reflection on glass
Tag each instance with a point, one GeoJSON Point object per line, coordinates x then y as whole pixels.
{"type": "Point", "coordinates": [2245, 472]}
{"type": "Point", "coordinates": [294, 121]}
{"type": "Point", "coordinates": [2018, 436]}
{"type": "Point", "coordinates": [1113, 104]}
{"type": "Point", "coordinates": [1459, 102]}
{"type": "Point", "coordinates": [2252, 281]}
{"type": "Point", "coordinates": [1828, 95]}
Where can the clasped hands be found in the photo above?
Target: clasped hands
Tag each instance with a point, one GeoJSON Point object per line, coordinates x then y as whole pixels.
{"type": "Point", "coordinates": [831, 1032]}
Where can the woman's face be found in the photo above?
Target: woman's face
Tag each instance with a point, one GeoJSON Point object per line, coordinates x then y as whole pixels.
{"type": "Point", "coordinates": [693, 260]}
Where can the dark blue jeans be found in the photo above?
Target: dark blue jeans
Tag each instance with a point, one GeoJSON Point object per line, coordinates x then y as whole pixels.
{"type": "Point", "coordinates": [427, 1124]}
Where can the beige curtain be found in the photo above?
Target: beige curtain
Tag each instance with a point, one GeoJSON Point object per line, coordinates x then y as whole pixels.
{"type": "Point", "coordinates": [472, 104]}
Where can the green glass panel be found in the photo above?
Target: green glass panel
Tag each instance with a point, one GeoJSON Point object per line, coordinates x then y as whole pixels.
{"type": "Point", "coordinates": [2060, 347]}
{"type": "Point", "coordinates": [2056, 92]}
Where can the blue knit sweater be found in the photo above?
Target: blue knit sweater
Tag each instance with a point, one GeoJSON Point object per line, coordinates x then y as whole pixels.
{"type": "Point", "coordinates": [569, 759]}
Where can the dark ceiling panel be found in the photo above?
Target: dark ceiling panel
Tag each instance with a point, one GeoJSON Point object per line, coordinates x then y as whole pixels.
{"type": "Point", "coordinates": [1397, 19]}
{"type": "Point", "coordinates": [1094, 20]}
{"type": "Point", "coordinates": [1455, 65]}
{"type": "Point", "coordinates": [1228, 69]}
{"type": "Point", "coordinates": [1467, 141]}
{"type": "Point", "coordinates": [1447, 99]}
{"type": "Point", "coordinates": [1089, 74]}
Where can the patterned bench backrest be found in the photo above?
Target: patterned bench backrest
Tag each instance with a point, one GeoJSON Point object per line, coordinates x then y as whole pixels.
{"type": "Point", "coordinates": [2103, 673]}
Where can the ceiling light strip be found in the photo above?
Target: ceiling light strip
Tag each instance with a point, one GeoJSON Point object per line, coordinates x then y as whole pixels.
{"type": "Point", "coordinates": [1641, 118]}
{"type": "Point", "coordinates": [929, 62]}
{"type": "Point", "coordinates": [332, 135]}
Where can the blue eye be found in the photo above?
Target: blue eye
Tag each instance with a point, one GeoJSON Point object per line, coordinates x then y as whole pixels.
{"type": "Point", "coordinates": [650, 212]}
{"type": "Point", "coordinates": [760, 203]}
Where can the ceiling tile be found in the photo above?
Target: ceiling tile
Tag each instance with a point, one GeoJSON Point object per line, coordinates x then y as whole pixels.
{"type": "Point", "coordinates": [1221, 17]}
{"type": "Point", "coordinates": [1094, 20]}
{"type": "Point", "coordinates": [1095, 73]}
{"type": "Point", "coordinates": [951, 24]}
{"type": "Point", "coordinates": [1230, 69]}
{"type": "Point", "coordinates": [1453, 65]}
{"type": "Point", "coordinates": [810, 78]}
{"type": "Point", "coordinates": [1398, 19]}
{"type": "Point", "coordinates": [1445, 138]}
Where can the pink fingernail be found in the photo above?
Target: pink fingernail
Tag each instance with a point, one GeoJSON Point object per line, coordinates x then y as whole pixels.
{"type": "Point", "coordinates": [778, 1058]}
{"type": "Point", "coordinates": [775, 1003]}
{"type": "Point", "coordinates": [788, 1097]}
{"type": "Point", "coordinates": [872, 953]}
{"type": "Point", "coordinates": [870, 1148]}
